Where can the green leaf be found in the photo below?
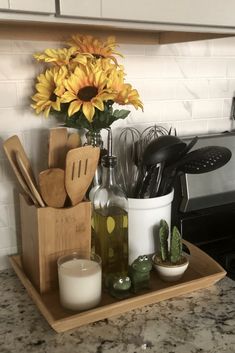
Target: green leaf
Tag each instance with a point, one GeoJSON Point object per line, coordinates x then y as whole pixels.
{"type": "Point", "coordinates": [121, 114]}
{"type": "Point", "coordinates": [101, 120]}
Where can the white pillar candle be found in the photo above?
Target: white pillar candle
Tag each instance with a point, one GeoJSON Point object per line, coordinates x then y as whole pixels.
{"type": "Point", "coordinates": [79, 282]}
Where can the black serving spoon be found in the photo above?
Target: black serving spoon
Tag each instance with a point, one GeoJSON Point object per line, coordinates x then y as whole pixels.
{"type": "Point", "coordinates": [202, 160]}
{"type": "Point", "coordinates": [164, 149]}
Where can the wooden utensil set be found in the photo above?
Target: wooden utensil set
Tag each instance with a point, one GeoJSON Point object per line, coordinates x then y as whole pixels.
{"type": "Point", "coordinates": [71, 169]}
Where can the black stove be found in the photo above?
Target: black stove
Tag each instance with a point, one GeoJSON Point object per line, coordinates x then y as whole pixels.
{"type": "Point", "coordinates": [213, 231]}
{"type": "Point", "coordinates": [204, 206]}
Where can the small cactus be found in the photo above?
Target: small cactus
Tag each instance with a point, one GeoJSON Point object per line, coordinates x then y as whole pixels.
{"type": "Point", "coordinates": [163, 237]}
{"type": "Point", "coordinates": [174, 254]}
{"type": "Point", "coordinates": [176, 246]}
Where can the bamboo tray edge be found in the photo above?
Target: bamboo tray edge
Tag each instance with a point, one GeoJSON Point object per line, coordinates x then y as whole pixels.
{"type": "Point", "coordinates": [62, 321]}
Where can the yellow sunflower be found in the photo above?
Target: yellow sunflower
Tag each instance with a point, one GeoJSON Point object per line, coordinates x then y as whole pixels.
{"type": "Point", "coordinates": [50, 88]}
{"type": "Point", "coordinates": [125, 94]}
{"type": "Point", "coordinates": [86, 90]}
{"type": "Point", "coordinates": [94, 46]}
{"type": "Point", "coordinates": [62, 56]}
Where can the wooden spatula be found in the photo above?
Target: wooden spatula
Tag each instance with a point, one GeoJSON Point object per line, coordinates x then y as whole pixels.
{"type": "Point", "coordinates": [73, 141]}
{"type": "Point", "coordinates": [28, 179]}
{"type": "Point", "coordinates": [52, 187]}
{"type": "Point", "coordinates": [80, 167]}
{"type": "Point", "coordinates": [11, 146]}
{"type": "Point", "coordinates": [57, 147]}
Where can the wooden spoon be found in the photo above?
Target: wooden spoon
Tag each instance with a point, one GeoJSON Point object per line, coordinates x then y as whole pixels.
{"type": "Point", "coordinates": [52, 187]}
{"type": "Point", "coordinates": [28, 179]}
{"type": "Point", "coordinates": [11, 145]}
{"type": "Point", "coordinates": [74, 141]}
{"type": "Point", "coordinates": [80, 167]}
{"type": "Point", "coordinates": [57, 147]}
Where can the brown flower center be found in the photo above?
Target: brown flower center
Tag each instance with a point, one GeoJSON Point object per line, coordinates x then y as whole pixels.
{"type": "Point", "coordinates": [87, 93]}
{"type": "Point", "coordinates": [53, 97]}
{"type": "Point", "coordinates": [98, 56]}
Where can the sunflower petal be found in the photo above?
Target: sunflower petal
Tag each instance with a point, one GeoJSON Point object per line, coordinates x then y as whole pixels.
{"type": "Point", "coordinates": [98, 103]}
{"type": "Point", "coordinates": [88, 110]}
{"type": "Point", "coordinates": [74, 107]}
{"type": "Point", "coordinates": [68, 97]}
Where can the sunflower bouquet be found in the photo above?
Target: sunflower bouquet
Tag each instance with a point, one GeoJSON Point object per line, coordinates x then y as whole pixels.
{"type": "Point", "coordinates": [82, 83]}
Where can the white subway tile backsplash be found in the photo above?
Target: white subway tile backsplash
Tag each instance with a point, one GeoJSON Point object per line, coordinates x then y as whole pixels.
{"type": "Point", "coordinates": [231, 67]}
{"type": "Point", "coordinates": [153, 111]}
{"type": "Point", "coordinates": [17, 67]}
{"type": "Point", "coordinates": [131, 49]}
{"type": "Point", "coordinates": [223, 47]}
{"type": "Point", "coordinates": [8, 94]}
{"type": "Point", "coordinates": [4, 216]}
{"type": "Point", "coordinates": [8, 191]}
{"type": "Point", "coordinates": [8, 237]}
{"type": "Point", "coordinates": [6, 46]}
{"type": "Point", "coordinates": [144, 67]}
{"type": "Point", "coordinates": [219, 125]}
{"type": "Point", "coordinates": [211, 67]}
{"type": "Point", "coordinates": [177, 111]}
{"type": "Point", "coordinates": [188, 86]}
{"type": "Point", "coordinates": [25, 90]}
{"type": "Point", "coordinates": [161, 50]}
{"type": "Point", "coordinates": [154, 89]}
{"type": "Point", "coordinates": [32, 47]}
{"type": "Point", "coordinates": [201, 48]}
{"type": "Point", "coordinates": [192, 89]}
{"type": "Point", "coordinates": [191, 127]}
{"type": "Point", "coordinates": [188, 49]}
{"type": "Point", "coordinates": [2, 170]}
{"type": "Point", "coordinates": [203, 109]}
{"type": "Point", "coordinates": [227, 108]}
{"type": "Point", "coordinates": [221, 88]}
{"type": "Point", "coordinates": [4, 253]}
{"type": "Point", "coordinates": [19, 119]}
{"type": "Point", "coordinates": [178, 67]}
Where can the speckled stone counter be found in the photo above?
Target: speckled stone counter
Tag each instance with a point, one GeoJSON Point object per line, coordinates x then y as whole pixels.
{"type": "Point", "coordinates": [199, 322]}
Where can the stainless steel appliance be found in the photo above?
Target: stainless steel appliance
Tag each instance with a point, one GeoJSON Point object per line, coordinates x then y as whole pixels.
{"type": "Point", "coordinates": [204, 205]}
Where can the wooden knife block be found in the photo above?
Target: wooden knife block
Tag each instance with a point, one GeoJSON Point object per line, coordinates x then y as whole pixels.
{"type": "Point", "coordinates": [47, 233]}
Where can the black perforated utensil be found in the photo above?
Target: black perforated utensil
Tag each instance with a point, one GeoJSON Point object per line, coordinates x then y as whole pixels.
{"type": "Point", "coordinates": [202, 160]}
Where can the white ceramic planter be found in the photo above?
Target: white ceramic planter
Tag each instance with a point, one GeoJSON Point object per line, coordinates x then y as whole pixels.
{"type": "Point", "coordinates": [170, 273]}
{"type": "Point", "coordinates": [144, 217]}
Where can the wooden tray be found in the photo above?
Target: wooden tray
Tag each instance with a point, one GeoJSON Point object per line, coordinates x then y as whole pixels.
{"type": "Point", "coordinates": [202, 272]}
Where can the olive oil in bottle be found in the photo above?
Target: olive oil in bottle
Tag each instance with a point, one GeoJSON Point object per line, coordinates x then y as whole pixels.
{"type": "Point", "coordinates": [111, 241]}
{"type": "Point", "coordinates": [110, 221]}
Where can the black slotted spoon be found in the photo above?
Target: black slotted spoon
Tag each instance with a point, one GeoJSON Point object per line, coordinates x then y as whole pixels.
{"type": "Point", "coordinates": [202, 160]}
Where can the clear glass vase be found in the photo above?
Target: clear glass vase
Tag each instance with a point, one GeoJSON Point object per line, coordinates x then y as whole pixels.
{"type": "Point", "coordinates": [94, 138]}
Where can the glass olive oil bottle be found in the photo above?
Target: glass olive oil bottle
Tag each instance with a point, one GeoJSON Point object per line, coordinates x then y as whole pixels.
{"type": "Point", "coordinates": [111, 224]}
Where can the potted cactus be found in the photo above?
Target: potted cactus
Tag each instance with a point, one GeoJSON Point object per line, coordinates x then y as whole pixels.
{"type": "Point", "coordinates": [169, 262]}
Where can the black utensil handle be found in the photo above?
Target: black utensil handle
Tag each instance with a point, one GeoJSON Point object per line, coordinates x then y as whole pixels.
{"type": "Point", "coordinates": [146, 182]}
{"type": "Point", "coordinates": [153, 181]}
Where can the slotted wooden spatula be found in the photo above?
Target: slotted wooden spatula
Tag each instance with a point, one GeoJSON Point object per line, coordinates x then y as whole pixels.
{"type": "Point", "coordinates": [80, 167]}
{"type": "Point", "coordinates": [52, 187]}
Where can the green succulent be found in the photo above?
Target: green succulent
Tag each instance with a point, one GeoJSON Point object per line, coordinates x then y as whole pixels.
{"type": "Point", "coordinates": [172, 254]}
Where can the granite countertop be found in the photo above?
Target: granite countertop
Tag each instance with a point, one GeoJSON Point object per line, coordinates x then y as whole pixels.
{"type": "Point", "coordinates": [199, 322]}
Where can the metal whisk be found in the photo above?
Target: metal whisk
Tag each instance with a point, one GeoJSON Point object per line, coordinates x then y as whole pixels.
{"type": "Point", "coordinates": [151, 133]}
{"type": "Point", "coordinates": [128, 151]}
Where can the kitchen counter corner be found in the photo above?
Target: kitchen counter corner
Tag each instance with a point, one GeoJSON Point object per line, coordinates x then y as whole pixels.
{"type": "Point", "coordinates": [202, 321]}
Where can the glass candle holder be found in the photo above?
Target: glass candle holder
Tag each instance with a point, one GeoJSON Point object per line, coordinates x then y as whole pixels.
{"type": "Point", "coordinates": [80, 281]}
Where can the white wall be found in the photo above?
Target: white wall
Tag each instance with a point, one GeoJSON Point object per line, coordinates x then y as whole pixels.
{"type": "Point", "coordinates": [188, 86]}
